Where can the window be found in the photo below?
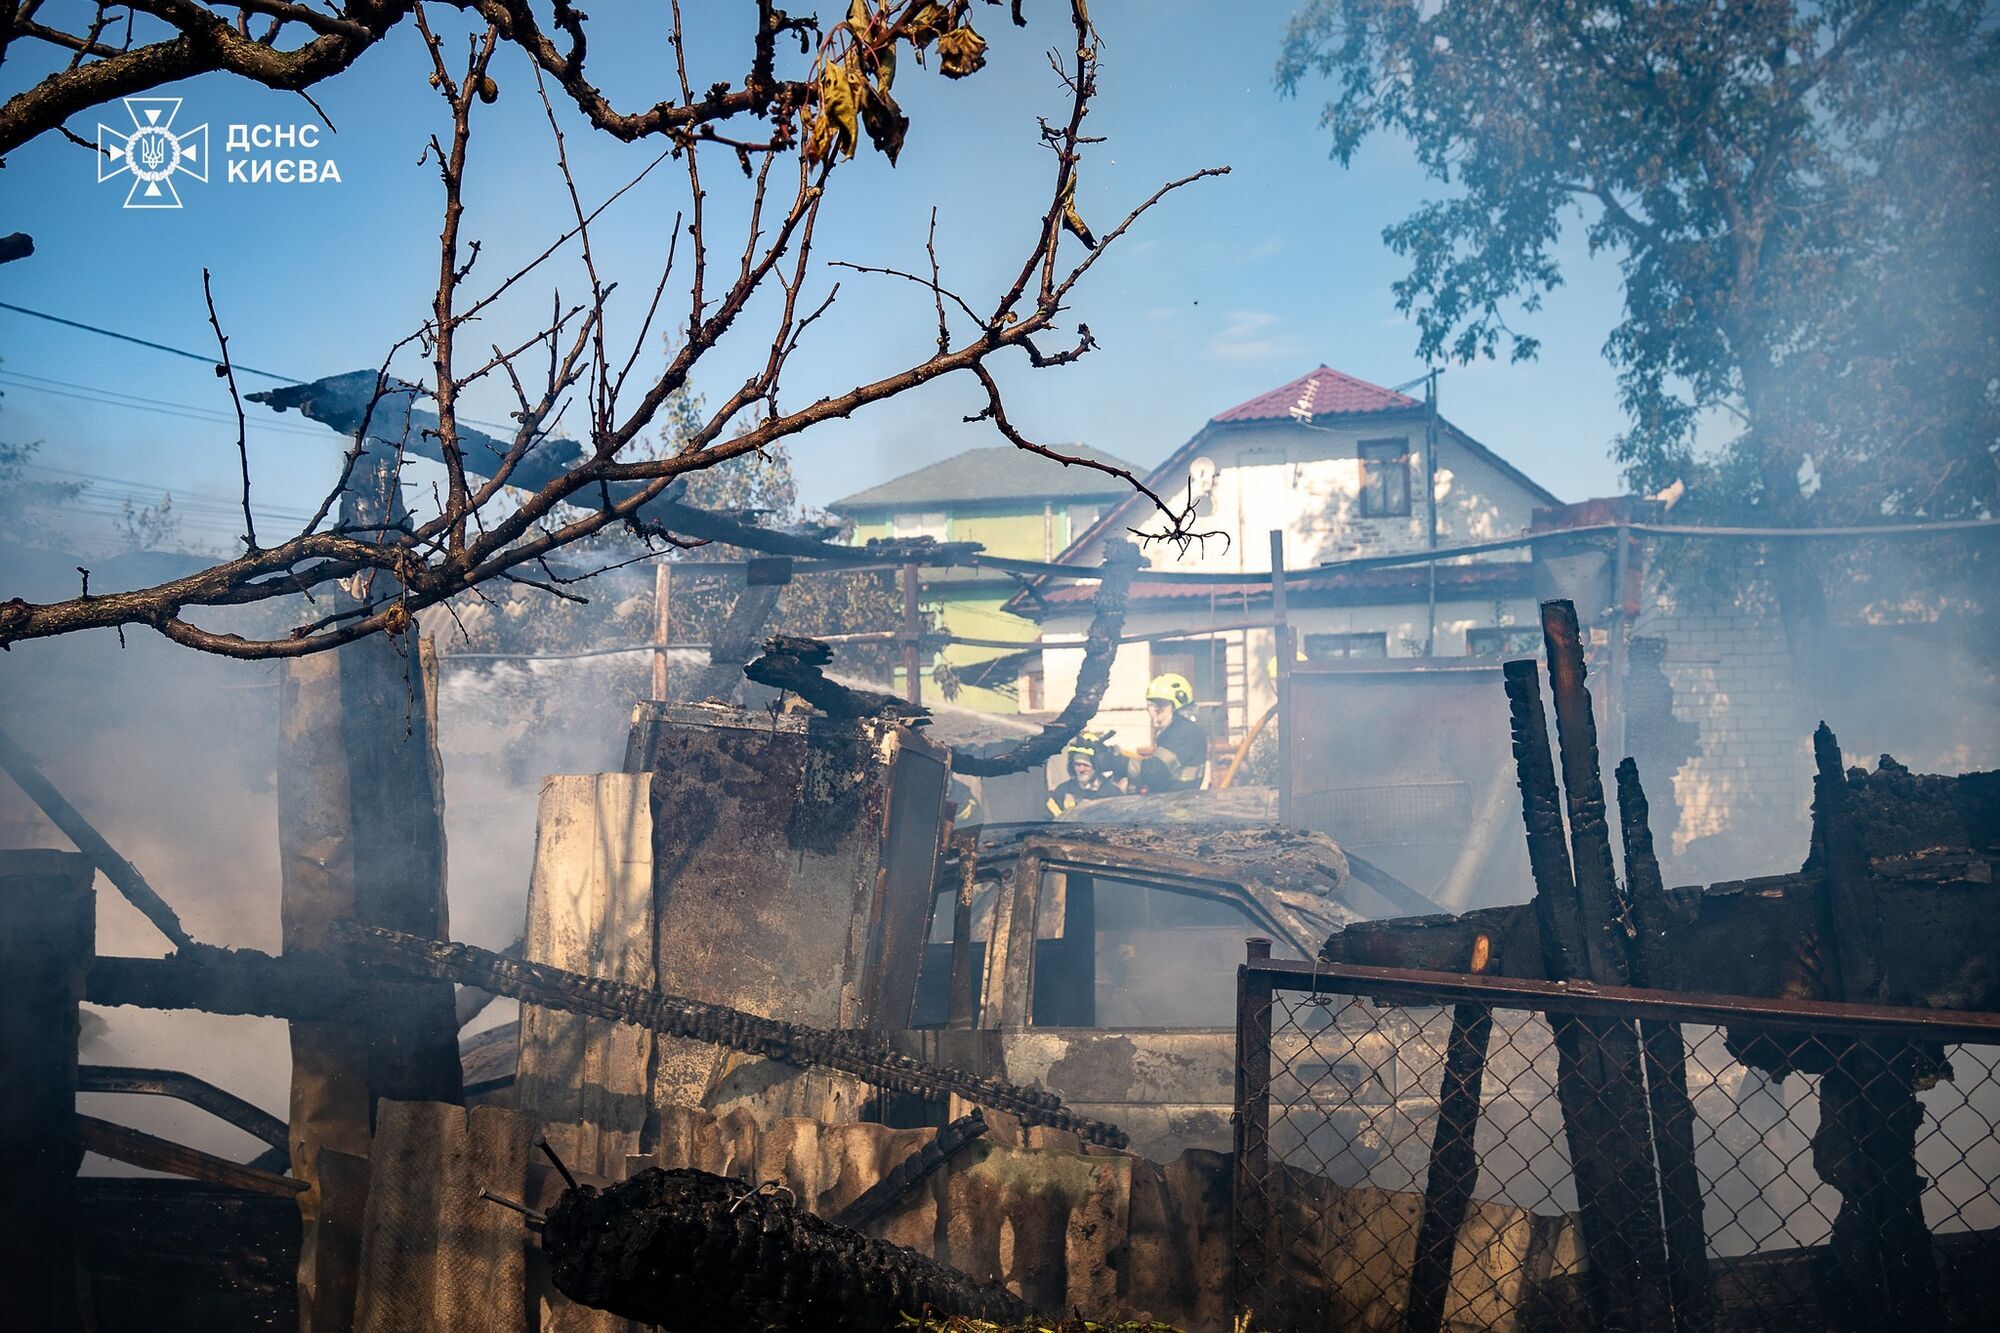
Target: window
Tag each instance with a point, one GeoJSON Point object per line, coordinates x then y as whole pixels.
{"type": "Point", "coordinates": [1385, 478]}
{"type": "Point", "coordinates": [918, 525]}
{"type": "Point", "coordinates": [932, 1006]}
{"type": "Point", "coordinates": [1502, 641]}
{"type": "Point", "coordinates": [1205, 663]}
{"type": "Point", "coordinates": [1033, 686]}
{"type": "Point", "coordinates": [1115, 954]}
{"type": "Point", "coordinates": [1333, 647]}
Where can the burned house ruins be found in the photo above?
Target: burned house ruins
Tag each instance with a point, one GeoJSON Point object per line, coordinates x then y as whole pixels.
{"type": "Point", "coordinates": [735, 669]}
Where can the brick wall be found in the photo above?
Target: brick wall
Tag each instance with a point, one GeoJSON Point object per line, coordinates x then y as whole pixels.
{"type": "Point", "coordinates": [1744, 797]}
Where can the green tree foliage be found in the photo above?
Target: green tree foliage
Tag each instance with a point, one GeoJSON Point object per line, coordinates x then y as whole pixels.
{"type": "Point", "coordinates": [1801, 200]}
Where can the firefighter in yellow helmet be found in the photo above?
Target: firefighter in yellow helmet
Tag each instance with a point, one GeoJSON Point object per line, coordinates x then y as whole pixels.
{"type": "Point", "coordinates": [1093, 772]}
{"type": "Point", "coordinates": [1180, 746]}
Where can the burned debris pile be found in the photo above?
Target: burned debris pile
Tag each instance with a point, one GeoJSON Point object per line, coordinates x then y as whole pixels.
{"type": "Point", "coordinates": [689, 1251]}
{"type": "Point", "coordinates": [822, 1060]}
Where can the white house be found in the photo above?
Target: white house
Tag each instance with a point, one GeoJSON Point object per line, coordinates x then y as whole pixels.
{"type": "Point", "coordinates": [1339, 466]}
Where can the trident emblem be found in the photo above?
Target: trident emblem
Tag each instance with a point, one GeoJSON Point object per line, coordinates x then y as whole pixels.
{"type": "Point", "coordinates": [152, 152]}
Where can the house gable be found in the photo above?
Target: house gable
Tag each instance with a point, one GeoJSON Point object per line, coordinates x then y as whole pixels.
{"type": "Point", "coordinates": [1263, 462]}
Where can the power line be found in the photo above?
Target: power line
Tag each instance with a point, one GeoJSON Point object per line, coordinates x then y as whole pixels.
{"type": "Point", "coordinates": [114, 398]}
{"type": "Point", "coordinates": [146, 342]}
{"type": "Point", "coordinates": [126, 488]}
{"type": "Point", "coordinates": [183, 352]}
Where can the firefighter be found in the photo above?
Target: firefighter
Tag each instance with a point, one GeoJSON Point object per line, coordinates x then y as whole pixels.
{"type": "Point", "coordinates": [1180, 746]}
{"type": "Point", "coordinates": [1092, 772]}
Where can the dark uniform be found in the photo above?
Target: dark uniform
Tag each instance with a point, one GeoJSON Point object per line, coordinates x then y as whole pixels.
{"type": "Point", "coordinates": [1179, 757]}
{"type": "Point", "coordinates": [1072, 793]}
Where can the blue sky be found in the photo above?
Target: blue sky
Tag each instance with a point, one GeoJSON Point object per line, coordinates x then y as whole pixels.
{"type": "Point", "coordinates": [1227, 289]}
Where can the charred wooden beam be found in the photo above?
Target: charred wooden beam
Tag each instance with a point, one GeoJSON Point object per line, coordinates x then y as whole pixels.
{"type": "Point", "coordinates": [862, 1054]}
{"type": "Point", "coordinates": [360, 838]}
{"type": "Point", "coordinates": [137, 1148]}
{"type": "Point", "coordinates": [1689, 1281]}
{"type": "Point", "coordinates": [735, 643]}
{"type": "Point", "coordinates": [1454, 1165]}
{"type": "Point", "coordinates": [124, 876]}
{"type": "Point", "coordinates": [1600, 906]}
{"type": "Point", "coordinates": [1597, 1060]}
{"type": "Point", "coordinates": [1541, 816]}
{"type": "Point", "coordinates": [297, 986]}
{"type": "Point", "coordinates": [225, 1106]}
{"type": "Point", "coordinates": [1869, 1114]}
{"type": "Point", "coordinates": [1850, 918]}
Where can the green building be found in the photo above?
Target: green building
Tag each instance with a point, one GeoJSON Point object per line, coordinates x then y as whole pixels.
{"type": "Point", "coordinates": [1011, 502]}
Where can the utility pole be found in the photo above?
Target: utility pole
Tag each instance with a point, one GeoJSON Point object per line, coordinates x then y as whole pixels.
{"type": "Point", "coordinates": [1281, 633]}
{"type": "Point", "coordinates": [1431, 509]}
{"type": "Point", "coordinates": [663, 587]}
{"type": "Point", "coordinates": [913, 683]}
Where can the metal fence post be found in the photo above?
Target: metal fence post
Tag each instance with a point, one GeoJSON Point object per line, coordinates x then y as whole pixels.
{"type": "Point", "coordinates": [1250, 1211]}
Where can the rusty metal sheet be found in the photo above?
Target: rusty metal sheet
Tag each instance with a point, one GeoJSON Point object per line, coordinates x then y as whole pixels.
{"type": "Point", "coordinates": [1292, 882]}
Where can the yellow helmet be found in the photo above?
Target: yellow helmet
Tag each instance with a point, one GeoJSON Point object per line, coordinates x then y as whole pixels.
{"type": "Point", "coordinates": [1172, 689]}
{"type": "Point", "coordinates": [1092, 745]}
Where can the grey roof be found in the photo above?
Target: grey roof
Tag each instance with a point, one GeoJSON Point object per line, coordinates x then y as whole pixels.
{"type": "Point", "coordinates": [999, 473]}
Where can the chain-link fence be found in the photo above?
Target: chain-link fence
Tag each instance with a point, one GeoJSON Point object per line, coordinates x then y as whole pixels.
{"type": "Point", "coordinates": [1421, 1152]}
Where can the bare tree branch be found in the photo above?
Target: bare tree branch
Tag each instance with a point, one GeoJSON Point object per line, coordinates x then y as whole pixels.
{"type": "Point", "coordinates": [510, 501]}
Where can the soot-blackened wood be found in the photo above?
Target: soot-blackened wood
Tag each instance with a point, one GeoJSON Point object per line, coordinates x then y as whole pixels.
{"type": "Point", "coordinates": [1689, 1281]}
{"type": "Point", "coordinates": [1454, 1166]}
{"type": "Point", "coordinates": [1849, 916]}
{"type": "Point", "coordinates": [1597, 1061]}
{"type": "Point", "coordinates": [734, 644]}
{"type": "Point", "coordinates": [690, 1252]}
{"type": "Point", "coordinates": [1541, 816]}
{"type": "Point", "coordinates": [1869, 1114]}
{"type": "Point", "coordinates": [47, 931]}
{"type": "Point", "coordinates": [122, 1143]}
{"type": "Point", "coordinates": [1882, 1270]}
{"type": "Point", "coordinates": [1599, 904]}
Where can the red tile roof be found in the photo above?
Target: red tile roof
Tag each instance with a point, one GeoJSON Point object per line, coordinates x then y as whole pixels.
{"type": "Point", "coordinates": [1321, 393]}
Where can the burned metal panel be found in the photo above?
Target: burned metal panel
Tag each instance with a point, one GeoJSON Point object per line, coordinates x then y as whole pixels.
{"type": "Point", "coordinates": [786, 848]}
{"type": "Point", "coordinates": [1290, 882]}
{"type": "Point", "coordinates": [1172, 1079]}
{"type": "Point", "coordinates": [1394, 762]}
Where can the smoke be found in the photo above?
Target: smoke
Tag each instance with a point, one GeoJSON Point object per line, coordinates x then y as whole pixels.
{"type": "Point", "coordinates": [173, 756]}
